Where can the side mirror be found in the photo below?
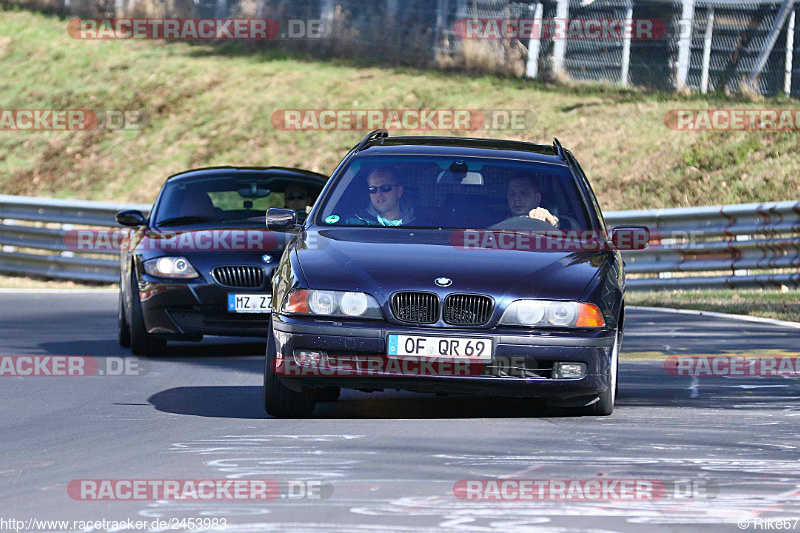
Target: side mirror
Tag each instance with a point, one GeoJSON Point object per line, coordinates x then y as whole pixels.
{"type": "Point", "coordinates": [282, 220]}
{"type": "Point", "coordinates": [131, 218]}
{"type": "Point", "coordinates": [630, 237]}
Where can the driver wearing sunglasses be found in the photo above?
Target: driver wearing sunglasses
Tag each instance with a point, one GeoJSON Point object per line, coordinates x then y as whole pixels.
{"type": "Point", "coordinates": [385, 208]}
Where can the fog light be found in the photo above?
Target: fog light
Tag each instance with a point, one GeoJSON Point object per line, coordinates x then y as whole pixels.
{"type": "Point", "coordinates": [310, 357]}
{"type": "Point", "coordinates": [568, 370]}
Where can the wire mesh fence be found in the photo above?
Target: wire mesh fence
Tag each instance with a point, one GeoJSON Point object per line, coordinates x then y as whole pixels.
{"type": "Point", "coordinates": [730, 46]}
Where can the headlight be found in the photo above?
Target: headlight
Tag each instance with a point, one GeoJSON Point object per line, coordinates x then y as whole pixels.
{"type": "Point", "coordinates": [331, 303]}
{"type": "Point", "coordinates": [354, 303]}
{"type": "Point", "coordinates": [170, 267]}
{"type": "Point", "coordinates": [546, 313]}
{"type": "Point", "coordinates": [322, 302]}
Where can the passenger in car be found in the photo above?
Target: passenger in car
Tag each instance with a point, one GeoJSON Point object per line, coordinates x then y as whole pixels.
{"type": "Point", "coordinates": [524, 199]}
{"type": "Point", "coordinates": [385, 207]}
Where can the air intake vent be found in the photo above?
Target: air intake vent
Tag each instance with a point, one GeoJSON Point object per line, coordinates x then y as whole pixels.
{"type": "Point", "coordinates": [239, 277]}
{"type": "Point", "coordinates": [416, 307]}
{"type": "Point", "coordinates": [467, 309]}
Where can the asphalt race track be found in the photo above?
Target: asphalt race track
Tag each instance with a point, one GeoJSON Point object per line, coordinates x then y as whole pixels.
{"type": "Point", "coordinates": [725, 449]}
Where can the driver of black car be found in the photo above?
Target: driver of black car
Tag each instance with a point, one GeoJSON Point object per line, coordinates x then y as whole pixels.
{"type": "Point", "coordinates": [296, 197]}
{"type": "Point", "coordinates": [524, 199]}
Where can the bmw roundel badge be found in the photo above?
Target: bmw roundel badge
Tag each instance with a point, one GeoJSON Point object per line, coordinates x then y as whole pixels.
{"type": "Point", "coordinates": [443, 282]}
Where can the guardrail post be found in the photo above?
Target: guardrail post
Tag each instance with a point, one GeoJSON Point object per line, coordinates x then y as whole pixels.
{"type": "Point", "coordinates": [326, 14]}
{"type": "Point", "coordinates": [560, 45]}
{"type": "Point", "coordinates": [787, 77]}
{"type": "Point", "coordinates": [707, 49]}
{"type": "Point", "coordinates": [441, 13]}
{"type": "Point", "coordinates": [535, 41]}
{"type": "Point", "coordinates": [626, 45]}
{"type": "Point", "coordinates": [221, 10]}
{"type": "Point", "coordinates": [685, 45]}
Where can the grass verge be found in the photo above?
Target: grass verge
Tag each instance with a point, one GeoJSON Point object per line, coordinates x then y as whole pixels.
{"type": "Point", "coordinates": [212, 105]}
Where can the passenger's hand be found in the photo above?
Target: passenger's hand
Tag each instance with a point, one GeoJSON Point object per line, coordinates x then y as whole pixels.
{"type": "Point", "coordinates": [540, 213]}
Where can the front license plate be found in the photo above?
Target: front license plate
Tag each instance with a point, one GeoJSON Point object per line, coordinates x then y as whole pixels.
{"type": "Point", "coordinates": [420, 346]}
{"type": "Point", "coordinates": [249, 303]}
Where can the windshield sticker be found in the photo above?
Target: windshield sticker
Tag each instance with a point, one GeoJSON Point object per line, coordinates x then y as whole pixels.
{"type": "Point", "coordinates": [333, 219]}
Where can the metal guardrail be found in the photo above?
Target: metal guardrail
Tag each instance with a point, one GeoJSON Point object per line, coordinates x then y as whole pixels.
{"type": "Point", "coordinates": [63, 211]}
{"type": "Point", "coordinates": [65, 263]}
{"type": "Point", "coordinates": [733, 246]}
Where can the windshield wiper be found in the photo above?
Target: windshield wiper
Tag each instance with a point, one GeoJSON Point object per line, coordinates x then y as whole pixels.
{"type": "Point", "coordinates": [185, 220]}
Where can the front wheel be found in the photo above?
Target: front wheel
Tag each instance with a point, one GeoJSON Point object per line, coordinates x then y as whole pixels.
{"type": "Point", "coordinates": [605, 404]}
{"type": "Point", "coordinates": [279, 400]}
{"type": "Point", "coordinates": [142, 342]}
{"type": "Point", "coordinates": [123, 330]}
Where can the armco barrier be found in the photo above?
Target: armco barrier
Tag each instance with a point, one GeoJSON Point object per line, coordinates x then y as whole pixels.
{"type": "Point", "coordinates": [734, 246]}
{"type": "Point", "coordinates": [62, 262]}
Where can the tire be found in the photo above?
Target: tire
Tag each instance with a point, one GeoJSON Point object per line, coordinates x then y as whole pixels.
{"type": "Point", "coordinates": [142, 342]}
{"type": "Point", "coordinates": [605, 404]}
{"type": "Point", "coordinates": [123, 329]}
{"type": "Point", "coordinates": [279, 400]}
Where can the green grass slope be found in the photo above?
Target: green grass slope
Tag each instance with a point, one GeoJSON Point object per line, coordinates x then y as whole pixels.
{"type": "Point", "coordinates": [212, 105]}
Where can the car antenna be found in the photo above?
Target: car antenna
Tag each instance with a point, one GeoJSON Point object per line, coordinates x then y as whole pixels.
{"type": "Point", "coordinates": [559, 149]}
{"type": "Point", "coordinates": [372, 136]}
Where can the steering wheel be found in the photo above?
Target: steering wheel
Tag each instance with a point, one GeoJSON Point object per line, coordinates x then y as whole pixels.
{"type": "Point", "coordinates": [523, 222]}
{"type": "Point", "coordinates": [567, 223]}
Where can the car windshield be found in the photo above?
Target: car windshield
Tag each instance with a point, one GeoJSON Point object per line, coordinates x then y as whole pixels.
{"type": "Point", "coordinates": [452, 192]}
{"type": "Point", "coordinates": [234, 200]}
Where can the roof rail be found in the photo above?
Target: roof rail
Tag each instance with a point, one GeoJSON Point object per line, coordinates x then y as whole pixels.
{"type": "Point", "coordinates": [559, 149]}
{"type": "Point", "coordinates": [377, 134]}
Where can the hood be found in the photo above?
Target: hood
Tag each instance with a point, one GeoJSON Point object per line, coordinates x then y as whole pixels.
{"type": "Point", "coordinates": [381, 261]}
{"type": "Point", "coordinates": [209, 247]}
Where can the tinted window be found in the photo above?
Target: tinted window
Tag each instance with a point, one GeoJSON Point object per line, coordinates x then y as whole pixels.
{"type": "Point", "coordinates": [449, 192]}
{"type": "Point", "coordinates": [230, 199]}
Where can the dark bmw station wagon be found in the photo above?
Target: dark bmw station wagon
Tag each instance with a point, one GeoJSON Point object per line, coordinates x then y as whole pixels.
{"type": "Point", "coordinates": [449, 265]}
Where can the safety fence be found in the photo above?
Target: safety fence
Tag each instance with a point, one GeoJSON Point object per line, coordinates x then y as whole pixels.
{"type": "Point", "coordinates": [731, 46]}
{"type": "Point", "coordinates": [730, 246]}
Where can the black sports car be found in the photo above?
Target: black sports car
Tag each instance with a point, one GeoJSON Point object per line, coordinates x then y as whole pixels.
{"type": "Point", "coordinates": [449, 265]}
{"type": "Point", "coordinates": [202, 263]}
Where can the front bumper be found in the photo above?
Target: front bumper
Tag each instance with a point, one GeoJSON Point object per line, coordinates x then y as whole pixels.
{"type": "Point", "coordinates": [521, 365]}
{"type": "Point", "coordinates": [181, 311]}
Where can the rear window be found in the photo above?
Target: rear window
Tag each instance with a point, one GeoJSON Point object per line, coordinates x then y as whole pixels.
{"type": "Point", "coordinates": [450, 192]}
